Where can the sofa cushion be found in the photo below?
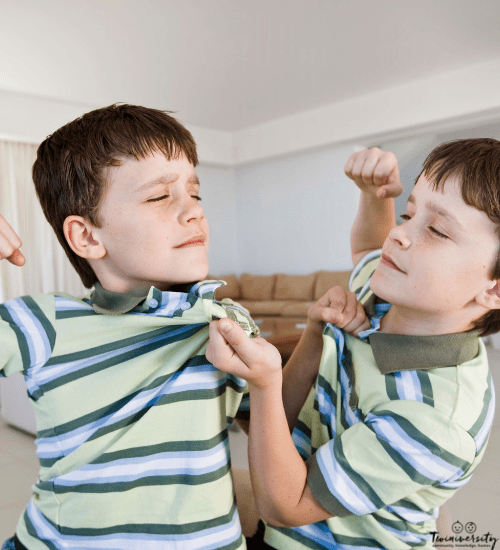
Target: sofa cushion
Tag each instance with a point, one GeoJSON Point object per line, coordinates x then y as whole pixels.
{"type": "Point", "coordinates": [296, 309]}
{"type": "Point", "coordinates": [294, 287]}
{"type": "Point", "coordinates": [231, 290]}
{"type": "Point", "coordinates": [327, 279]}
{"type": "Point", "coordinates": [257, 287]}
{"type": "Point", "coordinates": [267, 307]}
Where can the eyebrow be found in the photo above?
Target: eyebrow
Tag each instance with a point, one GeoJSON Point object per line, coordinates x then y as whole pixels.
{"type": "Point", "coordinates": [165, 180]}
{"type": "Point", "coordinates": [440, 212]}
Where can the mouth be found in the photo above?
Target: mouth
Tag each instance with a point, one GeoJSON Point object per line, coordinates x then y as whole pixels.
{"type": "Point", "coordinates": [384, 259]}
{"type": "Point", "coordinates": [199, 240]}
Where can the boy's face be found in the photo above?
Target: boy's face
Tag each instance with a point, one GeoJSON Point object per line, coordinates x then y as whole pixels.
{"type": "Point", "coordinates": [153, 227]}
{"type": "Point", "coordinates": [439, 259]}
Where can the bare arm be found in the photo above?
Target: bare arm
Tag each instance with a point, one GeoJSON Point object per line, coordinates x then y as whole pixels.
{"type": "Point", "coordinates": [376, 173]}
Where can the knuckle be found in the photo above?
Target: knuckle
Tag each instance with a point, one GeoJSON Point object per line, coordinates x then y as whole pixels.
{"type": "Point", "coordinates": [349, 312]}
{"type": "Point", "coordinates": [360, 317]}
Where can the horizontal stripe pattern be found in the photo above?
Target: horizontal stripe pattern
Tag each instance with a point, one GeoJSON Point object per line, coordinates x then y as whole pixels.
{"type": "Point", "coordinates": [147, 536]}
{"type": "Point", "coordinates": [133, 422]}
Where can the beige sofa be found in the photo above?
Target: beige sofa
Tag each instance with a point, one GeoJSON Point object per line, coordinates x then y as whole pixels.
{"type": "Point", "coordinates": [279, 295]}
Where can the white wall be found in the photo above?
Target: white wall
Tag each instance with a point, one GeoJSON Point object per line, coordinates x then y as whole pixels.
{"type": "Point", "coordinates": [295, 214]}
{"type": "Point", "coordinates": [30, 118]}
{"type": "Point", "coordinates": [217, 190]}
{"type": "Point", "coordinates": [461, 97]}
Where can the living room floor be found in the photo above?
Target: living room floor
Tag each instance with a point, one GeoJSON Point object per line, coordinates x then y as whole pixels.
{"type": "Point", "coordinates": [477, 502]}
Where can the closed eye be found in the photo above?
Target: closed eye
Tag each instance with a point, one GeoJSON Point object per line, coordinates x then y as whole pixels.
{"type": "Point", "coordinates": [166, 197]}
{"type": "Point", "coordinates": [438, 233]}
{"type": "Point", "coordinates": [158, 198]}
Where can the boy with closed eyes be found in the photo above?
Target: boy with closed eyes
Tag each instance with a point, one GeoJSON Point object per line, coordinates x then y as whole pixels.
{"type": "Point", "coordinates": [132, 419]}
{"type": "Point", "coordinates": [358, 442]}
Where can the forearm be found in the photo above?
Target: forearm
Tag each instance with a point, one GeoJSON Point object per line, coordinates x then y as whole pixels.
{"type": "Point", "coordinates": [277, 470]}
{"type": "Point", "coordinates": [301, 370]}
{"type": "Point", "coordinates": [372, 225]}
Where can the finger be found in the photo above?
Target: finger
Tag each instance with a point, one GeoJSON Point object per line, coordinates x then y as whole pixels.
{"type": "Point", "coordinates": [336, 297]}
{"type": "Point", "coordinates": [222, 355]}
{"type": "Point", "coordinates": [387, 177]}
{"type": "Point", "coordinates": [359, 322]}
{"type": "Point", "coordinates": [386, 165]}
{"type": "Point", "coordinates": [349, 164]}
{"type": "Point", "coordinates": [329, 307]}
{"type": "Point", "coordinates": [17, 258]}
{"type": "Point", "coordinates": [7, 231]}
{"type": "Point", "coordinates": [365, 325]}
{"type": "Point", "coordinates": [371, 161]}
{"type": "Point", "coordinates": [350, 309]}
{"type": "Point", "coordinates": [236, 337]}
{"type": "Point", "coordinates": [7, 247]}
{"type": "Point", "coordinates": [358, 164]}
{"type": "Point", "coordinates": [218, 350]}
{"type": "Point", "coordinates": [326, 315]}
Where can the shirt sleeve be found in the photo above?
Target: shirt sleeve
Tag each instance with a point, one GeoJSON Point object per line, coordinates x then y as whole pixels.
{"type": "Point", "coordinates": [27, 334]}
{"type": "Point", "coordinates": [400, 448]}
{"type": "Point", "coordinates": [359, 280]}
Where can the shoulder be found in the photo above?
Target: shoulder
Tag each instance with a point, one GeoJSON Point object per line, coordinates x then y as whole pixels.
{"type": "Point", "coordinates": [32, 320]}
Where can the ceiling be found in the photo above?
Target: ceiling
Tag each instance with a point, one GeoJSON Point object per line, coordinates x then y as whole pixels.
{"type": "Point", "coordinates": [232, 64]}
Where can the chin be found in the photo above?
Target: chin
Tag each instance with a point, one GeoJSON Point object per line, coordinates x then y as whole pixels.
{"type": "Point", "coordinates": [196, 275]}
{"type": "Point", "coordinates": [381, 287]}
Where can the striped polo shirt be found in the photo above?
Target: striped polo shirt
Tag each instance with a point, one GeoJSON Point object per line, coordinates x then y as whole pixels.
{"type": "Point", "coordinates": [392, 428]}
{"type": "Point", "coordinates": [132, 420]}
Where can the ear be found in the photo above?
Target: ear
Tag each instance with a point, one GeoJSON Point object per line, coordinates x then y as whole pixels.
{"type": "Point", "coordinates": [490, 298]}
{"type": "Point", "coordinates": [80, 235]}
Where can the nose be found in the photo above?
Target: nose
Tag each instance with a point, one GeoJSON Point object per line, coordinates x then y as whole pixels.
{"type": "Point", "coordinates": [190, 210]}
{"type": "Point", "coordinates": [399, 234]}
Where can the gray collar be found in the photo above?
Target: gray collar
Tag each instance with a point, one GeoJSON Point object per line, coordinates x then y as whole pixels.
{"type": "Point", "coordinates": [398, 352]}
{"type": "Point", "coordinates": [114, 303]}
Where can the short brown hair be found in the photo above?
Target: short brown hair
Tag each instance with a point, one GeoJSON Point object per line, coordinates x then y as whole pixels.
{"type": "Point", "coordinates": [69, 170]}
{"type": "Point", "coordinates": [476, 165]}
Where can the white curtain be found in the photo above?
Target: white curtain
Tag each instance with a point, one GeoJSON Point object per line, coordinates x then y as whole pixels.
{"type": "Point", "coordinates": [47, 268]}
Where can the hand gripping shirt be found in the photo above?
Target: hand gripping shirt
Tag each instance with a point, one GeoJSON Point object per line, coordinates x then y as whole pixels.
{"type": "Point", "coordinates": [132, 420]}
{"type": "Point", "coordinates": [392, 428]}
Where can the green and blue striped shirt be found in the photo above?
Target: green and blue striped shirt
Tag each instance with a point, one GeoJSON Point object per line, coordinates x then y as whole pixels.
{"type": "Point", "coordinates": [392, 428]}
{"type": "Point", "coordinates": [132, 420]}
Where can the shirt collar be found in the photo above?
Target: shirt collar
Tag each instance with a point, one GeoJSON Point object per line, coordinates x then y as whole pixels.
{"type": "Point", "coordinates": [116, 303]}
{"type": "Point", "coordinates": [400, 352]}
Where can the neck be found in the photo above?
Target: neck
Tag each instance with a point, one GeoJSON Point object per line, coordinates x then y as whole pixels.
{"type": "Point", "coordinates": [131, 287]}
{"type": "Point", "coordinates": [401, 320]}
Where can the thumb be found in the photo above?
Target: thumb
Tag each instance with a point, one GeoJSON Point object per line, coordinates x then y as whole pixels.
{"type": "Point", "coordinates": [392, 188]}
{"type": "Point", "coordinates": [236, 337]}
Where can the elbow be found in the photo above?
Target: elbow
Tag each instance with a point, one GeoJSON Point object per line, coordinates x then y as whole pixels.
{"type": "Point", "coordinates": [278, 517]}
